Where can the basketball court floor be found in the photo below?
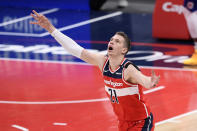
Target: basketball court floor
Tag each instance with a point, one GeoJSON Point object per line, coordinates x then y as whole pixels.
{"type": "Point", "coordinates": [43, 88]}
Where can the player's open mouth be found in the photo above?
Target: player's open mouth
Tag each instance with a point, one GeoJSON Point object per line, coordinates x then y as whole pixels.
{"type": "Point", "coordinates": [110, 48]}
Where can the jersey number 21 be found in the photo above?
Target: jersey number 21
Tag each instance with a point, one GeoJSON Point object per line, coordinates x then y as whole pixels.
{"type": "Point", "coordinates": [113, 93]}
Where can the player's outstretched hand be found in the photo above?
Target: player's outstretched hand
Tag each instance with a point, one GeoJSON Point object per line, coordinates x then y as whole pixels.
{"type": "Point", "coordinates": [42, 21]}
{"type": "Point", "coordinates": [154, 79]}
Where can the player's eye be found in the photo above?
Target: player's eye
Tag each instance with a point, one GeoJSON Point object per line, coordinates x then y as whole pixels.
{"type": "Point", "coordinates": [117, 41]}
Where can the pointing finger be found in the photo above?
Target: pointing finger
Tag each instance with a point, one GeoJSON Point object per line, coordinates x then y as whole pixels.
{"type": "Point", "coordinates": [36, 13]}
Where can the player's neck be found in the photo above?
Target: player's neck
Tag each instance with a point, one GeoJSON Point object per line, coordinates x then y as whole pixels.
{"type": "Point", "coordinates": [115, 62]}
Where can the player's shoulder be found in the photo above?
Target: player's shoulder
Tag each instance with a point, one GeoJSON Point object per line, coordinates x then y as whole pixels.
{"type": "Point", "coordinates": [130, 65]}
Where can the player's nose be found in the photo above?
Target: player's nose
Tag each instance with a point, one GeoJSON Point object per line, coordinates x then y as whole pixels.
{"type": "Point", "coordinates": [111, 43]}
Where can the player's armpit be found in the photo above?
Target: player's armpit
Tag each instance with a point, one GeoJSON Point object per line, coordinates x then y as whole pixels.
{"type": "Point", "coordinates": [94, 58]}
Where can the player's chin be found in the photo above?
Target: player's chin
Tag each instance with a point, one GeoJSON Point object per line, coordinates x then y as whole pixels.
{"type": "Point", "coordinates": [110, 53]}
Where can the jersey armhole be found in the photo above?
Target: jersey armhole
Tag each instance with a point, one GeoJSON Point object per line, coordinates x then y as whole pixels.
{"type": "Point", "coordinates": [130, 63]}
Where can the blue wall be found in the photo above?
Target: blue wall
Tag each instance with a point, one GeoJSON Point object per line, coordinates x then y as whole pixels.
{"type": "Point", "coordinates": [64, 4]}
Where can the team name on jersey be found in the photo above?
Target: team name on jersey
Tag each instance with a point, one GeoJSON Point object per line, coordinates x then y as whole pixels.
{"type": "Point", "coordinates": [114, 84]}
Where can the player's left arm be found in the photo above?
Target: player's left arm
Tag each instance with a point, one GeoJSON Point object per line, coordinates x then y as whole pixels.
{"type": "Point", "coordinates": [135, 76]}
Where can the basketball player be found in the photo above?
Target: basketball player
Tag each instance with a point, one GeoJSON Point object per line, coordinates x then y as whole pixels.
{"type": "Point", "coordinates": [190, 13]}
{"type": "Point", "coordinates": [123, 80]}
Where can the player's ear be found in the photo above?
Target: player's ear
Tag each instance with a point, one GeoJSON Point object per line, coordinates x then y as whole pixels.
{"type": "Point", "coordinates": [124, 50]}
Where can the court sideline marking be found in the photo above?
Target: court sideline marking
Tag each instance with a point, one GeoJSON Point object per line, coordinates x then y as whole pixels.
{"type": "Point", "coordinates": [72, 101]}
{"type": "Point", "coordinates": [59, 124]}
{"type": "Point", "coordinates": [20, 127]}
{"type": "Point", "coordinates": [176, 117]}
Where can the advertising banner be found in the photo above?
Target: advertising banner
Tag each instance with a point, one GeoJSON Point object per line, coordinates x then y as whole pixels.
{"type": "Point", "coordinates": [169, 21]}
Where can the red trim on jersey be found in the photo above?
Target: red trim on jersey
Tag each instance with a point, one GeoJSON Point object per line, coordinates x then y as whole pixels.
{"type": "Point", "coordinates": [146, 109]}
{"type": "Point", "coordinates": [117, 68]}
{"type": "Point", "coordinates": [105, 64]}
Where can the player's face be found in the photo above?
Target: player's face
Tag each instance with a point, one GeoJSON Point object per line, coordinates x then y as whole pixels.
{"type": "Point", "coordinates": [116, 46]}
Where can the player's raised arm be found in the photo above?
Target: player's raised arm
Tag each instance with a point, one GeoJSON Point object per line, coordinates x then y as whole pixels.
{"type": "Point", "coordinates": [67, 43]}
{"type": "Point", "coordinates": [137, 77]}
